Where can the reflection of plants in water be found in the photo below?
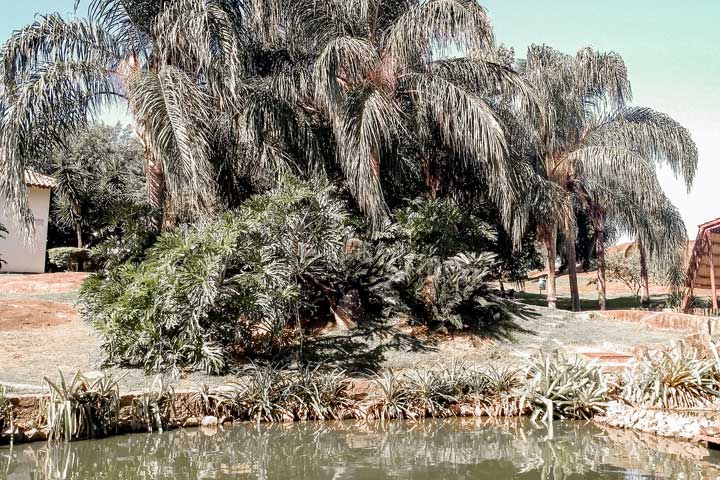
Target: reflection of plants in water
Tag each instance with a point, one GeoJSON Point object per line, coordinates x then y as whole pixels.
{"type": "Point", "coordinates": [470, 447]}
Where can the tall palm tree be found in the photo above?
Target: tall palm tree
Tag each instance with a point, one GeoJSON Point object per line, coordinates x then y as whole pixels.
{"type": "Point", "coordinates": [646, 214]}
{"type": "Point", "coordinates": [226, 93]}
{"type": "Point", "coordinates": [592, 142]}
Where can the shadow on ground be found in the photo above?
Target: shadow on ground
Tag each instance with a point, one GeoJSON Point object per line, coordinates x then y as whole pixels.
{"type": "Point", "coordinates": [366, 348]}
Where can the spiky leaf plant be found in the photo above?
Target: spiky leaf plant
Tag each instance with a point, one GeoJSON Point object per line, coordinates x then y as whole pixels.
{"type": "Point", "coordinates": [155, 406]}
{"type": "Point", "coordinates": [678, 378]}
{"type": "Point", "coordinates": [391, 398]}
{"type": "Point", "coordinates": [82, 408]}
{"type": "Point", "coordinates": [322, 394]}
{"type": "Point", "coordinates": [7, 420]}
{"type": "Point", "coordinates": [267, 393]}
{"type": "Point", "coordinates": [559, 388]}
{"type": "Point", "coordinates": [431, 393]}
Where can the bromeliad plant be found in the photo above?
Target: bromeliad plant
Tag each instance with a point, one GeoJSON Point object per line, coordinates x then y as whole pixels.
{"type": "Point", "coordinates": [678, 378]}
{"type": "Point", "coordinates": [391, 398]}
{"type": "Point", "coordinates": [432, 393]}
{"type": "Point", "coordinates": [560, 388]}
{"type": "Point", "coordinates": [155, 406]}
{"type": "Point", "coordinates": [322, 394]}
{"type": "Point", "coordinates": [82, 408]}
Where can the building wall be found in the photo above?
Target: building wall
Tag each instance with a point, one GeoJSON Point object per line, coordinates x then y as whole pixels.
{"type": "Point", "coordinates": [22, 255]}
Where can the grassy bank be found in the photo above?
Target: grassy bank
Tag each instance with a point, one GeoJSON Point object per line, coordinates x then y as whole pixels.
{"type": "Point", "coordinates": [546, 387]}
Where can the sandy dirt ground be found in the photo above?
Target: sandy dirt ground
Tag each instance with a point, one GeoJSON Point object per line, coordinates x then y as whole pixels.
{"type": "Point", "coordinates": [39, 335]}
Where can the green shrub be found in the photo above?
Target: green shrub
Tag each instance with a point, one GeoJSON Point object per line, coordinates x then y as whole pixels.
{"type": "Point", "coordinates": [227, 286]}
{"type": "Point", "coordinates": [72, 259]}
{"type": "Point", "coordinates": [245, 283]}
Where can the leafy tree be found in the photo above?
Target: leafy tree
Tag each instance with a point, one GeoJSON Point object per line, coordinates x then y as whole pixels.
{"type": "Point", "coordinates": [227, 95]}
{"type": "Point", "coordinates": [625, 268]}
{"type": "Point", "coordinates": [99, 189]}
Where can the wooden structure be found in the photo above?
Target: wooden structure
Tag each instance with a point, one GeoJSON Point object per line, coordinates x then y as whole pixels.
{"type": "Point", "coordinates": [704, 267]}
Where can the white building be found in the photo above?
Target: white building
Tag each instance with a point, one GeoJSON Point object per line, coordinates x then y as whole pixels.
{"type": "Point", "coordinates": [22, 254]}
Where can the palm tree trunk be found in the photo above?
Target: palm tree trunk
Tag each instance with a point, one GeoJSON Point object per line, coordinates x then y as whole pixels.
{"type": "Point", "coordinates": [78, 222]}
{"type": "Point", "coordinates": [600, 258]}
{"type": "Point", "coordinates": [597, 217]}
{"type": "Point", "coordinates": [551, 247]}
{"type": "Point", "coordinates": [644, 277]}
{"type": "Point", "coordinates": [155, 185]}
{"type": "Point", "coordinates": [78, 234]}
{"type": "Point", "coordinates": [572, 269]}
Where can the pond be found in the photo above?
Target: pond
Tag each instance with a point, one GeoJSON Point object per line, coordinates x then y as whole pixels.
{"type": "Point", "coordinates": [431, 449]}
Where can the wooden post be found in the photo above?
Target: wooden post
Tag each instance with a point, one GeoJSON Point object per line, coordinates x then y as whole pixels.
{"type": "Point", "coordinates": [712, 272]}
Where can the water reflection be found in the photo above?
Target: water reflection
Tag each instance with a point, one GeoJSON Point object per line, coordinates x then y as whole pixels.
{"type": "Point", "coordinates": [457, 448]}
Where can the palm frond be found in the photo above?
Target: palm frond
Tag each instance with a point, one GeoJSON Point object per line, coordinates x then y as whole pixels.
{"type": "Point", "coordinates": [434, 27]}
{"type": "Point", "coordinates": [173, 112]}
{"type": "Point", "coordinates": [653, 135]}
{"type": "Point", "coordinates": [369, 123]}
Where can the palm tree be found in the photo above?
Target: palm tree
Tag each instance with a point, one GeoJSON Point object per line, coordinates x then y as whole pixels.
{"type": "Point", "coordinates": [71, 186]}
{"type": "Point", "coordinates": [57, 74]}
{"type": "Point", "coordinates": [228, 95]}
{"type": "Point", "coordinates": [647, 215]}
{"type": "Point", "coordinates": [592, 146]}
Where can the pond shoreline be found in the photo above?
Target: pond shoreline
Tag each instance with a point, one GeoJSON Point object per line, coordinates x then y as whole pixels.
{"type": "Point", "coordinates": [678, 425]}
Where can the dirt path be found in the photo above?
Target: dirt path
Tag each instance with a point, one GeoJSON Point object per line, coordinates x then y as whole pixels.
{"type": "Point", "coordinates": [38, 337]}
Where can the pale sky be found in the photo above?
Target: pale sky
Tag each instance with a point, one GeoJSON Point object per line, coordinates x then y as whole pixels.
{"type": "Point", "coordinates": [670, 47]}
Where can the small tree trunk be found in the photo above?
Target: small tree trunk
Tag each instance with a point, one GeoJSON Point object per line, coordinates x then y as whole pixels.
{"type": "Point", "coordinates": [644, 277]}
{"type": "Point", "coordinates": [349, 311]}
{"type": "Point", "coordinates": [572, 270]}
{"type": "Point", "coordinates": [551, 247]}
{"type": "Point", "coordinates": [78, 234]}
{"type": "Point", "coordinates": [600, 258]}
{"type": "Point", "coordinates": [155, 185]}
{"type": "Point", "coordinates": [77, 214]}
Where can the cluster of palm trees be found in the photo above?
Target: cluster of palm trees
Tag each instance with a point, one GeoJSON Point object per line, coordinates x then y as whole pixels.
{"type": "Point", "coordinates": [388, 97]}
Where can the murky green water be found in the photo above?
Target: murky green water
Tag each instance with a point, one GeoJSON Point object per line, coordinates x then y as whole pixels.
{"type": "Point", "coordinates": [438, 449]}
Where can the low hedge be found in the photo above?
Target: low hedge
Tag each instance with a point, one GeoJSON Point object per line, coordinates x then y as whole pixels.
{"type": "Point", "coordinates": [71, 259]}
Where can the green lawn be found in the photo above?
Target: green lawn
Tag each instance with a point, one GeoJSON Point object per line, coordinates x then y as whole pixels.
{"type": "Point", "coordinates": [618, 303]}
